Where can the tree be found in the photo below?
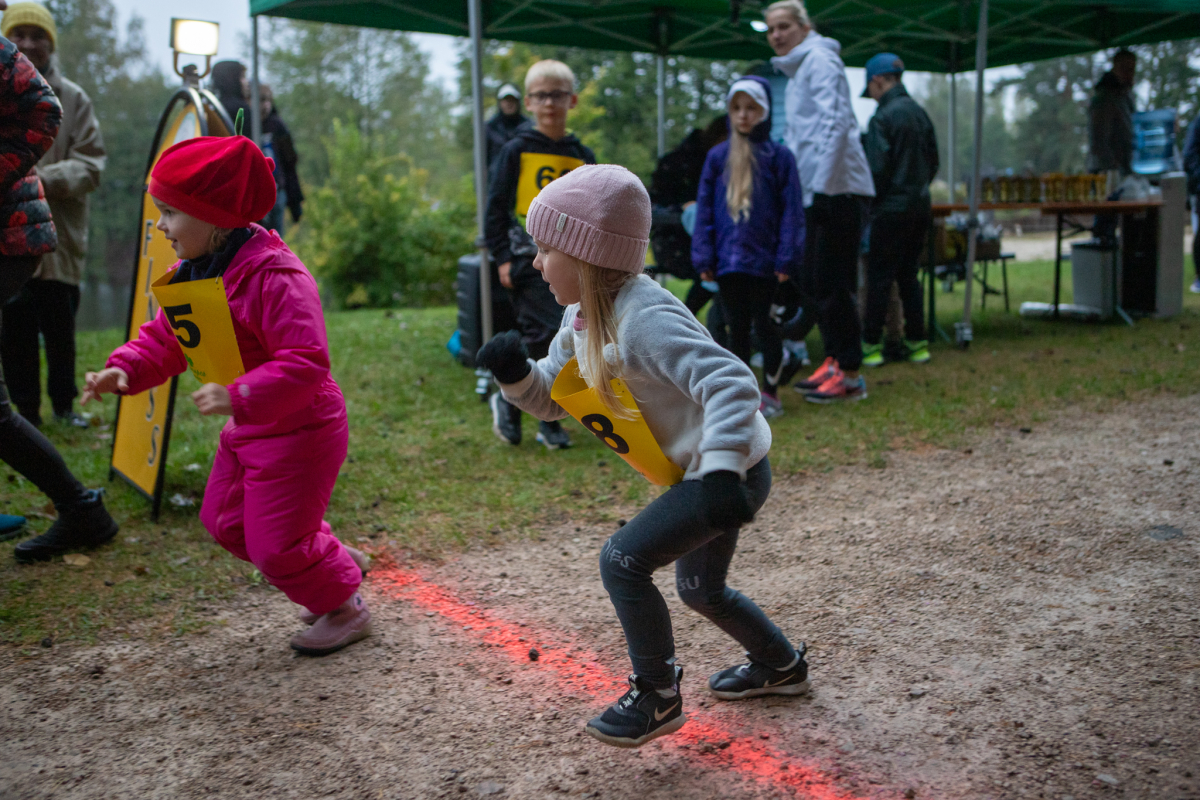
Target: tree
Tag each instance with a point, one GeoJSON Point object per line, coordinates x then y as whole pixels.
{"type": "Point", "coordinates": [1170, 79]}
{"type": "Point", "coordinates": [1052, 122]}
{"type": "Point", "coordinates": [376, 81]}
{"type": "Point", "coordinates": [129, 95]}
{"type": "Point", "coordinates": [997, 135]}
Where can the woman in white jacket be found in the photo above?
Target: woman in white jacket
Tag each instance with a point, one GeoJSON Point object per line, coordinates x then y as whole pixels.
{"type": "Point", "coordinates": [822, 132]}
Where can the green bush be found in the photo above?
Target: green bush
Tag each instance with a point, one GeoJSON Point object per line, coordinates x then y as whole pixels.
{"type": "Point", "coordinates": [373, 234]}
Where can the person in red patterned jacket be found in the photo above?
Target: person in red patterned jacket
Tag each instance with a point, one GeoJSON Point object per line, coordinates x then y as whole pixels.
{"type": "Point", "coordinates": [29, 118]}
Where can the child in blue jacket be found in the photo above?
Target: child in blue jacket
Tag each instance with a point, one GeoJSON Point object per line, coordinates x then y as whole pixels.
{"type": "Point", "coordinates": [749, 233]}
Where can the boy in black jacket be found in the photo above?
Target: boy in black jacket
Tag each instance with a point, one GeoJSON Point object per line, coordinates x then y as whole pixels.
{"type": "Point", "coordinates": [523, 168]}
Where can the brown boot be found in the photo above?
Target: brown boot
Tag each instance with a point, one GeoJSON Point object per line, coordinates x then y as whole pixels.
{"type": "Point", "coordinates": [346, 624]}
{"type": "Point", "coordinates": [364, 563]}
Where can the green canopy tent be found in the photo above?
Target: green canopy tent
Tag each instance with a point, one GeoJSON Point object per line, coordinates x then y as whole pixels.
{"type": "Point", "coordinates": [946, 36]}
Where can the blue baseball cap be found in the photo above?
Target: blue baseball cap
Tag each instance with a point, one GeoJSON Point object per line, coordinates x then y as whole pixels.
{"type": "Point", "coordinates": [883, 64]}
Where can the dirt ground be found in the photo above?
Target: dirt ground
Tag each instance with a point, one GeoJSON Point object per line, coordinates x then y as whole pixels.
{"type": "Point", "coordinates": [1016, 620]}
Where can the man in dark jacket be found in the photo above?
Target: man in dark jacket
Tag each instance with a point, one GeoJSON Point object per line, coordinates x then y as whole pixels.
{"type": "Point", "coordinates": [1110, 117]}
{"type": "Point", "coordinates": [277, 144]}
{"type": "Point", "coordinates": [1191, 166]}
{"type": "Point", "coordinates": [507, 122]}
{"type": "Point", "coordinates": [525, 165]}
{"type": "Point", "coordinates": [30, 115]}
{"type": "Point", "coordinates": [902, 152]}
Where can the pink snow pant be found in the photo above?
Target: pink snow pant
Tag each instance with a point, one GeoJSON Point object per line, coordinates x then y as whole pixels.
{"type": "Point", "coordinates": [265, 503]}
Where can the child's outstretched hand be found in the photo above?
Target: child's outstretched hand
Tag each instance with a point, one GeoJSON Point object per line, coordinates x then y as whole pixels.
{"type": "Point", "coordinates": [106, 381]}
{"type": "Point", "coordinates": [505, 356]}
{"type": "Point", "coordinates": [213, 398]}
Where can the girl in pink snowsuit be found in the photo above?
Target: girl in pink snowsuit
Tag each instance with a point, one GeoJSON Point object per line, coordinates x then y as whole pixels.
{"type": "Point", "coordinates": [280, 452]}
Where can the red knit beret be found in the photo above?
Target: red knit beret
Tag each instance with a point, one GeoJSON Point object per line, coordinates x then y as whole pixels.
{"type": "Point", "coordinates": [223, 180]}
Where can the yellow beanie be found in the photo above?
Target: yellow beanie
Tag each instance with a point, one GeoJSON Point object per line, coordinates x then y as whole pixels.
{"type": "Point", "coordinates": [29, 14]}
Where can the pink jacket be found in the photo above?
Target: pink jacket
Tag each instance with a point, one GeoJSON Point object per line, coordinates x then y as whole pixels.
{"type": "Point", "coordinates": [280, 330]}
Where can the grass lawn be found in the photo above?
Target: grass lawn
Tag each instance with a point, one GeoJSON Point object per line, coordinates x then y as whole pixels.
{"type": "Point", "coordinates": [426, 476]}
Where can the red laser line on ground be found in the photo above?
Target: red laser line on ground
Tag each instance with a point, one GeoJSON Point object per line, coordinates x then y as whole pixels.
{"type": "Point", "coordinates": [580, 672]}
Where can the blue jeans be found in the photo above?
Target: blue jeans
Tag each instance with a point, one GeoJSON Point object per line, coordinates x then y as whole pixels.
{"type": "Point", "coordinates": [672, 529]}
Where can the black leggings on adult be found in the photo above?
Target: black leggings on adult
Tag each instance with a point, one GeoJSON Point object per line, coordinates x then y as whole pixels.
{"type": "Point", "coordinates": [833, 237]}
{"type": "Point", "coordinates": [22, 446]}
{"type": "Point", "coordinates": [672, 529]}
{"type": "Point", "coordinates": [747, 302]}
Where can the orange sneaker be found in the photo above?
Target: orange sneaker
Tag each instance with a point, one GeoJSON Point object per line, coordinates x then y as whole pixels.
{"type": "Point", "coordinates": [824, 373]}
{"type": "Point", "coordinates": [839, 388]}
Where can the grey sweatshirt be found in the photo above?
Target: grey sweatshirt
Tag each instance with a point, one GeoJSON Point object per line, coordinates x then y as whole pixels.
{"type": "Point", "coordinates": [698, 399]}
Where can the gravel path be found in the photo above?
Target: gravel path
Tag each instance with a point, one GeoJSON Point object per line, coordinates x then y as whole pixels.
{"type": "Point", "coordinates": [1015, 621]}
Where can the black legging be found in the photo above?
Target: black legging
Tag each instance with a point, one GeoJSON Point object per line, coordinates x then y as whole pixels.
{"type": "Point", "coordinates": [22, 447]}
{"type": "Point", "coordinates": [833, 235]}
{"type": "Point", "coordinates": [673, 529]}
{"type": "Point", "coordinates": [747, 300]}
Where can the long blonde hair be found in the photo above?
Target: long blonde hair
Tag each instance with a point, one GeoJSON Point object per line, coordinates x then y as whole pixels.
{"type": "Point", "coordinates": [598, 289]}
{"type": "Point", "coordinates": [740, 167]}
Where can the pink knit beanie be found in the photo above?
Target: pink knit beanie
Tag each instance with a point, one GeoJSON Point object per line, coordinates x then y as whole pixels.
{"type": "Point", "coordinates": [598, 213]}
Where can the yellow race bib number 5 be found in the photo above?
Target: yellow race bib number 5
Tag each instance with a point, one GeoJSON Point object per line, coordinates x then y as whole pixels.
{"type": "Point", "coordinates": [199, 314]}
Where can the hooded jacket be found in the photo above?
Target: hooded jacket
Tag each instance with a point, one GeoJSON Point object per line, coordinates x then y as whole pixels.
{"type": "Point", "coordinates": [1110, 126]}
{"type": "Point", "coordinates": [501, 227]}
{"type": "Point", "coordinates": [29, 118]}
{"type": "Point", "coordinates": [902, 151]}
{"type": "Point", "coordinates": [280, 331]}
{"type": "Point", "coordinates": [822, 130]}
{"type": "Point", "coordinates": [771, 239]}
{"type": "Point", "coordinates": [70, 171]}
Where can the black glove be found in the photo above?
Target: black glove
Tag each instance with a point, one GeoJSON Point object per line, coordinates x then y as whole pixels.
{"type": "Point", "coordinates": [726, 502]}
{"type": "Point", "coordinates": [505, 356]}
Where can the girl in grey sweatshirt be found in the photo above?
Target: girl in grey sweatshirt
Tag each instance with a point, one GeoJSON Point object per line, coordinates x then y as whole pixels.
{"type": "Point", "coordinates": [633, 365]}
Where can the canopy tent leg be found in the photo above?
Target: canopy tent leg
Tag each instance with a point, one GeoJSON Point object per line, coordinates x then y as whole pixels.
{"type": "Point", "coordinates": [256, 119]}
{"type": "Point", "coordinates": [962, 330]}
{"type": "Point", "coordinates": [662, 104]}
{"type": "Point", "coordinates": [475, 22]}
{"type": "Point", "coordinates": [951, 134]}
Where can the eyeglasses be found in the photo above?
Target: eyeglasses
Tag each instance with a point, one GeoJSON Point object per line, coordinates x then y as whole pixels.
{"type": "Point", "coordinates": [541, 98]}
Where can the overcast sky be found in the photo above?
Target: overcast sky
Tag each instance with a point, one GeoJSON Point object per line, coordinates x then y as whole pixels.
{"type": "Point", "coordinates": [233, 16]}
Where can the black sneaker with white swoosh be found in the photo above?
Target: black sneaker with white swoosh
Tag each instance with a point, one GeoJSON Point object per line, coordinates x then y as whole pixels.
{"type": "Point", "coordinates": [640, 715]}
{"type": "Point", "coordinates": [754, 679]}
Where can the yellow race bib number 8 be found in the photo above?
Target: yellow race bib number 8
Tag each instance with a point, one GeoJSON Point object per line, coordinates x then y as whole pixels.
{"type": "Point", "coordinates": [631, 439]}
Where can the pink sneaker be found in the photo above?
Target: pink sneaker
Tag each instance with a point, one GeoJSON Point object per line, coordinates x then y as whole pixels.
{"type": "Point", "coordinates": [345, 625]}
{"type": "Point", "coordinates": [364, 563]}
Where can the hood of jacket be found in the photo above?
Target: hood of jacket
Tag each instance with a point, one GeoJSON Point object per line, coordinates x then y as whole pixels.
{"type": "Point", "coordinates": [536, 137]}
{"type": "Point", "coordinates": [762, 131]}
{"type": "Point", "coordinates": [788, 64]}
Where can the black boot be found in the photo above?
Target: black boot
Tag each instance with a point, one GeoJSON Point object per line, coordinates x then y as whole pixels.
{"type": "Point", "coordinates": [79, 527]}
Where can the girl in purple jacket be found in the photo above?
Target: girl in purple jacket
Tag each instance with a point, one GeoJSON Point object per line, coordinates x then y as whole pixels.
{"type": "Point", "coordinates": [749, 233]}
{"type": "Point", "coordinates": [286, 437]}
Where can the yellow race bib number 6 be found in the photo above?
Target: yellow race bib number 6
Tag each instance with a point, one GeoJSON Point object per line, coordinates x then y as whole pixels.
{"type": "Point", "coordinates": [537, 170]}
